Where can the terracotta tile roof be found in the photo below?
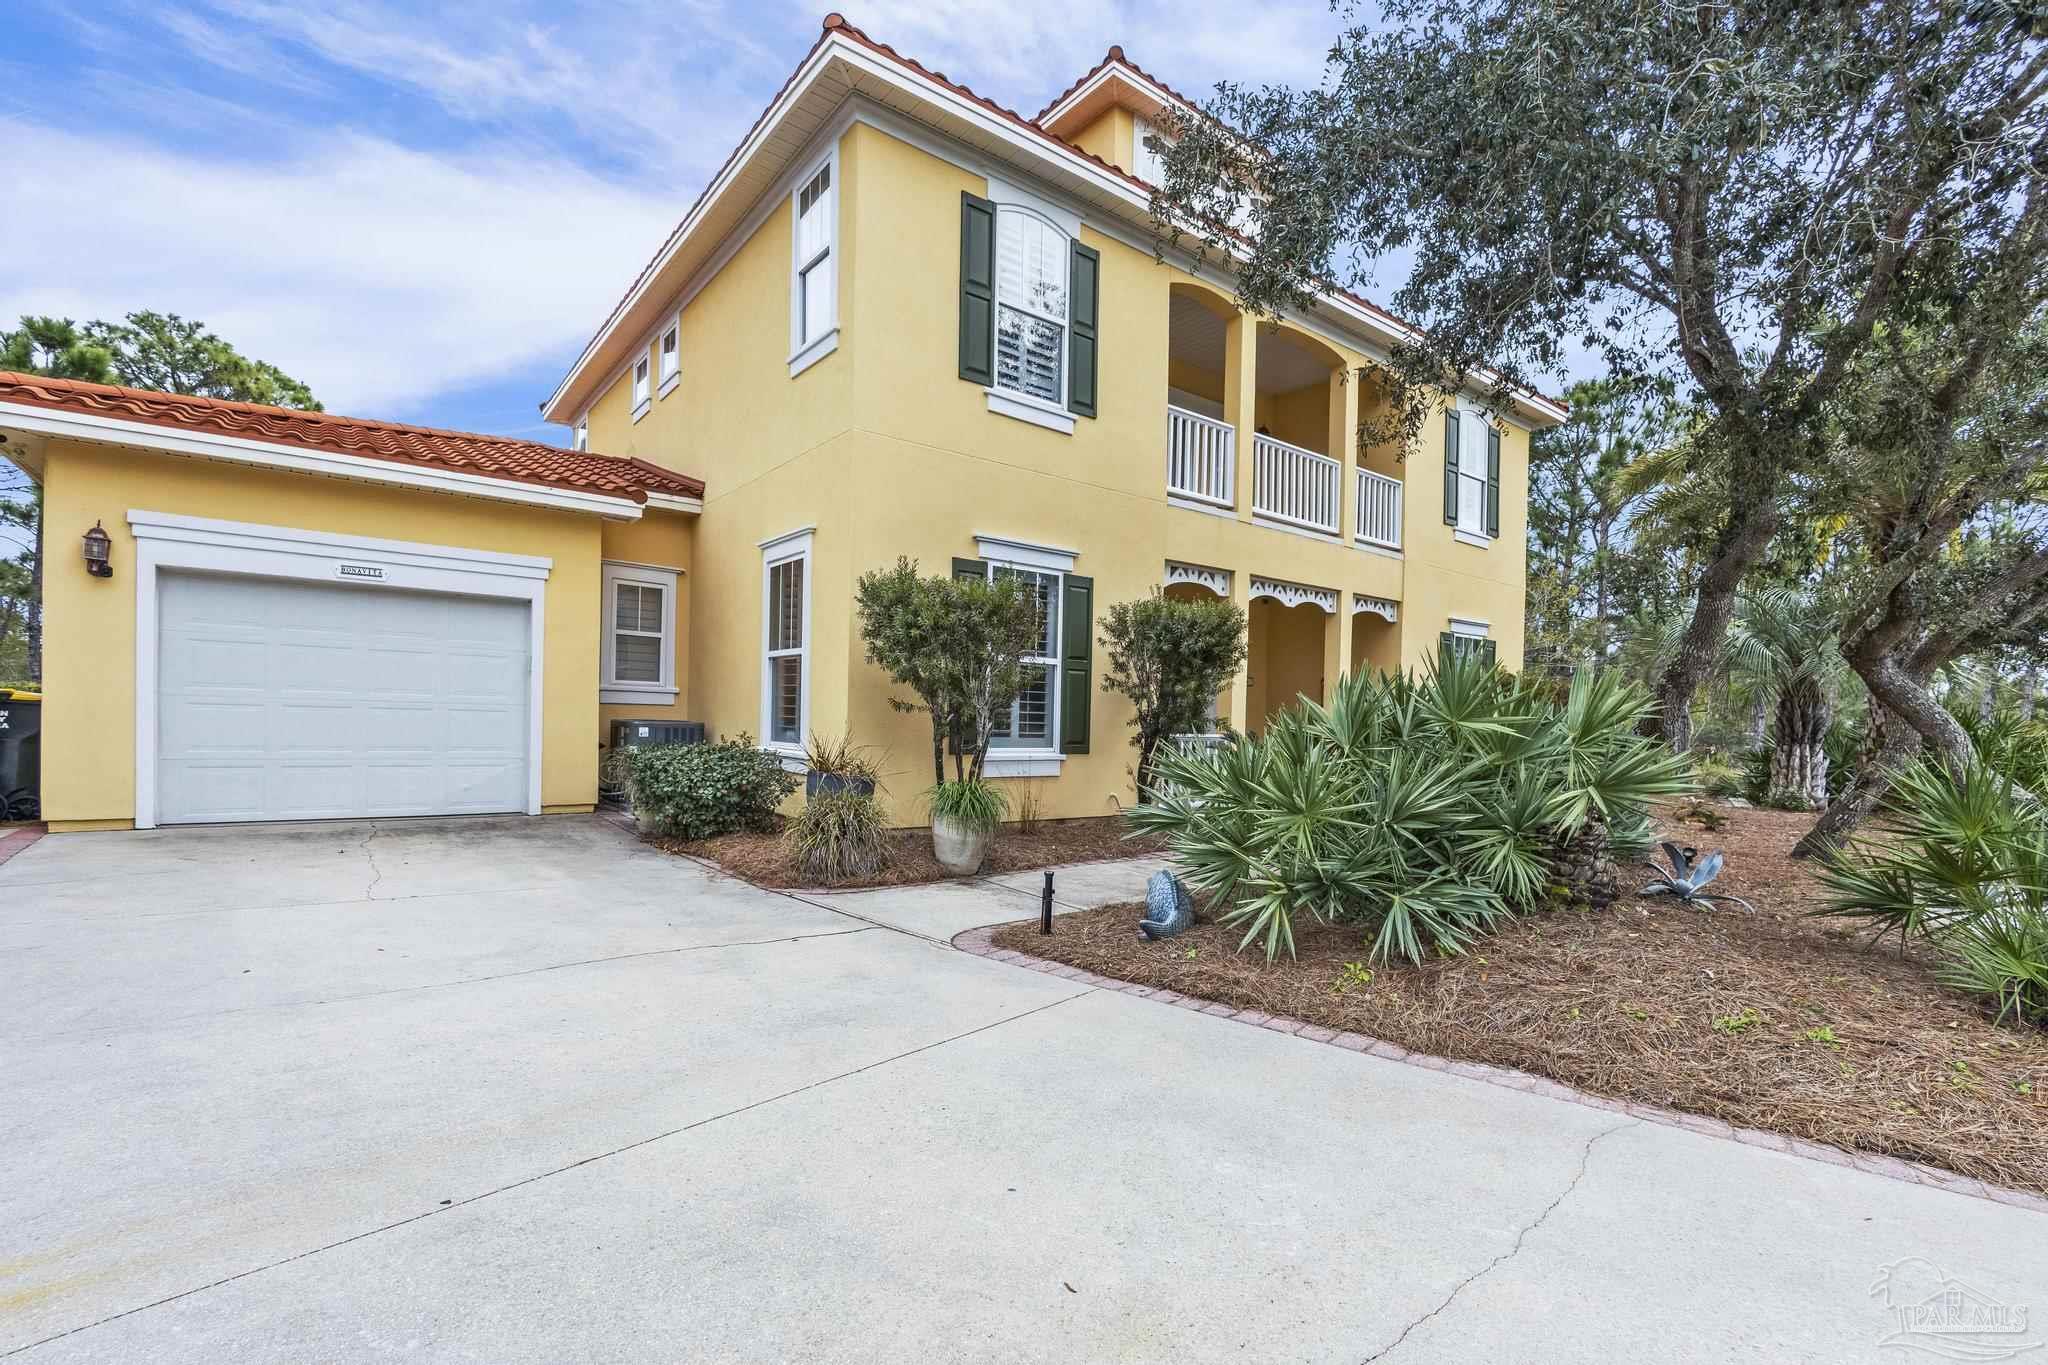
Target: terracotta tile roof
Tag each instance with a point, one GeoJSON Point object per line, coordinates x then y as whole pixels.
{"type": "Point", "coordinates": [496, 457]}
{"type": "Point", "coordinates": [1114, 55]}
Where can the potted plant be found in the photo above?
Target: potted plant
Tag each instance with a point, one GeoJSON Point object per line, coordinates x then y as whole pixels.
{"type": "Point", "coordinates": [839, 765]}
{"type": "Point", "coordinates": [964, 818]}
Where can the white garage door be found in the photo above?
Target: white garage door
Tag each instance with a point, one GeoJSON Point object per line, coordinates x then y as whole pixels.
{"type": "Point", "coordinates": [283, 700]}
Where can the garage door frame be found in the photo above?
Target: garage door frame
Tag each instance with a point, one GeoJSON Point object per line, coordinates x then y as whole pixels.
{"type": "Point", "coordinates": [165, 540]}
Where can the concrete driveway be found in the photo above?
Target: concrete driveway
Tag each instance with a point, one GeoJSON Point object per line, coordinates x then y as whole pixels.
{"type": "Point", "coordinates": [527, 1091]}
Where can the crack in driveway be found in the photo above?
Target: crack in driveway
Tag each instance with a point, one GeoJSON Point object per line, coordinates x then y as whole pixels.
{"type": "Point", "coordinates": [1585, 1158]}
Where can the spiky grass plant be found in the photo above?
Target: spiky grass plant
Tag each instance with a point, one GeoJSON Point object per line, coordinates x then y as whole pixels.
{"type": "Point", "coordinates": [1961, 861]}
{"type": "Point", "coordinates": [841, 835]}
{"type": "Point", "coordinates": [1425, 810]}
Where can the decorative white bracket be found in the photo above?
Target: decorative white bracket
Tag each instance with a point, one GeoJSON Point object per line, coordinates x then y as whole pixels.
{"type": "Point", "coordinates": [1294, 594]}
{"type": "Point", "coordinates": [1378, 606]}
{"type": "Point", "coordinates": [1201, 575]}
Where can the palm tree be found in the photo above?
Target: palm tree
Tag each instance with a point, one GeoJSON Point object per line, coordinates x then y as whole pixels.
{"type": "Point", "coordinates": [1786, 643]}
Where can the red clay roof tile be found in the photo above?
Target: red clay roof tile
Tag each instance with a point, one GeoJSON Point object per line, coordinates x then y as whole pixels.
{"type": "Point", "coordinates": [495, 457]}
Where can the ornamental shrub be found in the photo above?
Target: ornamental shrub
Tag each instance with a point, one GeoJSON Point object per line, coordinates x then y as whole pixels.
{"type": "Point", "coordinates": [698, 791]}
{"type": "Point", "coordinates": [1424, 811]}
{"type": "Point", "coordinates": [841, 835]}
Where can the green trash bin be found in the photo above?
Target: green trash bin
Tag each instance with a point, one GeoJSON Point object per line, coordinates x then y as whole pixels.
{"type": "Point", "coordinates": [21, 755]}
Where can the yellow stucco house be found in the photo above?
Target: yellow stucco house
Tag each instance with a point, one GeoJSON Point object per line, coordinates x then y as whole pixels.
{"type": "Point", "coordinates": [901, 321]}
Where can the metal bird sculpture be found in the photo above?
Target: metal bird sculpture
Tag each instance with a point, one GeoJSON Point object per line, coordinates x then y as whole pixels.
{"type": "Point", "coordinates": [1687, 879]}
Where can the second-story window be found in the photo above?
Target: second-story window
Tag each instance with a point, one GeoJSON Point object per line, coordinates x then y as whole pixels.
{"type": "Point", "coordinates": [642, 392]}
{"type": "Point", "coordinates": [813, 305]}
{"type": "Point", "coordinates": [1471, 474]}
{"type": "Point", "coordinates": [581, 440]}
{"type": "Point", "coordinates": [671, 355]}
{"type": "Point", "coordinates": [1031, 305]}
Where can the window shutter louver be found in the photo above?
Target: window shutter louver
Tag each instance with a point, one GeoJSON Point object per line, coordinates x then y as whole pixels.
{"type": "Point", "coordinates": [1492, 480]}
{"type": "Point", "coordinates": [1486, 652]}
{"type": "Point", "coordinates": [1084, 278]}
{"type": "Point", "coordinates": [1077, 642]}
{"type": "Point", "coordinates": [1446, 647]}
{"type": "Point", "coordinates": [1451, 468]}
{"type": "Point", "coordinates": [971, 570]}
{"type": "Point", "coordinates": [977, 290]}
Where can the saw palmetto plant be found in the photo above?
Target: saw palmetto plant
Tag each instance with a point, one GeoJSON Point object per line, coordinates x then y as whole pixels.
{"type": "Point", "coordinates": [1427, 810]}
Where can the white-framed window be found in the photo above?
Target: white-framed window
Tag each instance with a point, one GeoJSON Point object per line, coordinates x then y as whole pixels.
{"type": "Point", "coordinates": [814, 264]}
{"type": "Point", "coordinates": [1148, 165]}
{"type": "Point", "coordinates": [1469, 638]}
{"type": "Point", "coordinates": [639, 633]}
{"type": "Point", "coordinates": [786, 642]}
{"type": "Point", "coordinates": [580, 440]}
{"type": "Point", "coordinates": [670, 349]}
{"type": "Point", "coordinates": [1033, 257]}
{"type": "Point", "coordinates": [1474, 436]}
{"type": "Point", "coordinates": [642, 390]}
{"type": "Point", "coordinates": [1033, 722]}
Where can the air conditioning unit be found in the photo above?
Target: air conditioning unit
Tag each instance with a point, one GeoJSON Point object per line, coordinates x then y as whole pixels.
{"type": "Point", "coordinates": [641, 734]}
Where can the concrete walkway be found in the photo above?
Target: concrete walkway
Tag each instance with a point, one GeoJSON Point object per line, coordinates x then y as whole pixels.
{"type": "Point", "coordinates": [529, 1091]}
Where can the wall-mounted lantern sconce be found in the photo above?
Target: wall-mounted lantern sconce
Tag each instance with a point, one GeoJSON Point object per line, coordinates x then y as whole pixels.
{"type": "Point", "coordinates": [97, 545]}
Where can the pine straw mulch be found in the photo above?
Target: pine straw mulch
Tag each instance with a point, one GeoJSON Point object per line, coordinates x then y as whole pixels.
{"type": "Point", "coordinates": [1659, 1004]}
{"type": "Point", "coordinates": [764, 859]}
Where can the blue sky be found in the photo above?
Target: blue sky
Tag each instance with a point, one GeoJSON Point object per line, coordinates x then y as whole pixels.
{"type": "Point", "coordinates": [423, 210]}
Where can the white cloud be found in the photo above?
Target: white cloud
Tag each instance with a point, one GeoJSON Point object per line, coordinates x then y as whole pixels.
{"type": "Point", "coordinates": [378, 274]}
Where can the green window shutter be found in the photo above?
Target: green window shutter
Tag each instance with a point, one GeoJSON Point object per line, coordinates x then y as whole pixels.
{"type": "Point", "coordinates": [1486, 652]}
{"type": "Point", "coordinates": [1077, 643]}
{"type": "Point", "coordinates": [973, 570]}
{"type": "Point", "coordinates": [1451, 467]}
{"type": "Point", "coordinates": [977, 290]}
{"type": "Point", "coordinates": [1492, 480]}
{"type": "Point", "coordinates": [1084, 278]}
{"type": "Point", "coordinates": [1446, 647]}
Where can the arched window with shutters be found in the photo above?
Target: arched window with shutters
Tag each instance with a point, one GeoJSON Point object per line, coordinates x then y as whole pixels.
{"type": "Point", "coordinates": [1029, 294]}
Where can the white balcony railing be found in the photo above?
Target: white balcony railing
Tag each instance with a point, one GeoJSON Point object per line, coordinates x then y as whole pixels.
{"type": "Point", "coordinates": [1295, 486]}
{"type": "Point", "coordinates": [1379, 510]}
{"type": "Point", "coordinates": [1201, 457]}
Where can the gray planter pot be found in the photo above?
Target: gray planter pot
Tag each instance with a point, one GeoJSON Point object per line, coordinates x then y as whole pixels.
{"type": "Point", "coordinates": [815, 782]}
{"type": "Point", "coordinates": [960, 850]}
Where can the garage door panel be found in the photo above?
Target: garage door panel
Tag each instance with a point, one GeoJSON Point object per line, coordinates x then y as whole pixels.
{"type": "Point", "coordinates": [297, 701]}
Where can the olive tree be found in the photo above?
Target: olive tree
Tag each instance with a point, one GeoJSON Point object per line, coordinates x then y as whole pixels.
{"type": "Point", "coordinates": [958, 644]}
{"type": "Point", "coordinates": [1740, 193]}
{"type": "Point", "coordinates": [1170, 658]}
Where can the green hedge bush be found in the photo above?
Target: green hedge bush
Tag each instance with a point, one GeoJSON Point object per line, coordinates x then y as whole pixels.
{"type": "Point", "coordinates": [699, 791]}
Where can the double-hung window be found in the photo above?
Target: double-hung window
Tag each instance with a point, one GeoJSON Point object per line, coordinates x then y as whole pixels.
{"type": "Point", "coordinates": [671, 355]}
{"type": "Point", "coordinates": [640, 633]}
{"type": "Point", "coordinates": [1031, 304]}
{"type": "Point", "coordinates": [814, 289]}
{"type": "Point", "coordinates": [1032, 721]}
{"type": "Point", "coordinates": [785, 641]}
{"type": "Point", "coordinates": [581, 440]}
{"type": "Point", "coordinates": [642, 390]}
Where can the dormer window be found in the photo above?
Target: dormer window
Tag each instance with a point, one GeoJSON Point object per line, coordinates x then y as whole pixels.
{"type": "Point", "coordinates": [581, 439]}
{"type": "Point", "coordinates": [1148, 165]}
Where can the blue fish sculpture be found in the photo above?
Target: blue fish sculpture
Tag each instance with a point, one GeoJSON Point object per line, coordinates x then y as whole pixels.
{"type": "Point", "coordinates": [1169, 909]}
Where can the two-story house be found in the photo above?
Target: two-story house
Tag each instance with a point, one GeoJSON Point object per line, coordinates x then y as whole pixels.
{"type": "Point", "coordinates": [900, 321]}
{"type": "Point", "coordinates": [984, 365]}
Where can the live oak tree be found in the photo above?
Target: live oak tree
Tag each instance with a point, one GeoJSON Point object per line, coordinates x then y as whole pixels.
{"type": "Point", "coordinates": [1738, 193]}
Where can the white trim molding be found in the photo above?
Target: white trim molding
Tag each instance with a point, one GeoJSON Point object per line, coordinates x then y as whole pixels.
{"type": "Point", "coordinates": [1022, 763]}
{"type": "Point", "coordinates": [1028, 408]}
{"type": "Point", "coordinates": [1471, 627]}
{"type": "Point", "coordinates": [1024, 554]}
{"type": "Point", "coordinates": [297, 459]}
{"type": "Point", "coordinates": [1390, 612]}
{"type": "Point", "coordinates": [807, 344]}
{"type": "Point", "coordinates": [776, 550]}
{"type": "Point", "coordinates": [164, 540]}
{"type": "Point", "coordinates": [1294, 594]}
{"type": "Point", "coordinates": [611, 690]}
{"type": "Point", "coordinates": [1200, 575]}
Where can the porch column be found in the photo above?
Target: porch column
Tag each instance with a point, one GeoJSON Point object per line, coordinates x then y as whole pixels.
{"type": "Point", "coordinates": [1240, 698]}
{"type": "Point", "coordinates": [1337, 641]}
{"type": "Point", "coordinates": [1241, 399]}
{"type": "Point", "coordinates": [1344, 384]}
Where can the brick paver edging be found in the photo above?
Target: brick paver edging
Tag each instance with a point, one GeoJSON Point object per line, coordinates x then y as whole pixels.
{"type": "Point", "coordinates": [980, 943]}
{"type": "Point", "coordinates": [15, 842]}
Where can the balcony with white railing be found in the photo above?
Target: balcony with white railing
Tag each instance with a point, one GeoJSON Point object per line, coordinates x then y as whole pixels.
{"type": "Point", "coordinates": [1294, 486]}
{"type": "Point", "coordinates": [1201, 458]}
{"type": "Point", "coordinates": [1379, 510]}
